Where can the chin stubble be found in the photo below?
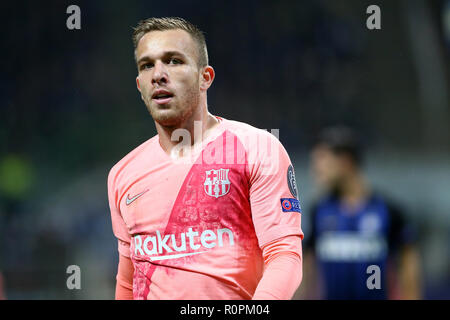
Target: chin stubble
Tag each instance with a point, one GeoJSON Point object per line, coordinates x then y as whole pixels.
{"type": "Point", "coordinates": [180, 114]}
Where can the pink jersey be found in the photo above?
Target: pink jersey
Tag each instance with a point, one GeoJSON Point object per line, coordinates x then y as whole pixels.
{"type": "Point", "coordinates": [194, 229]}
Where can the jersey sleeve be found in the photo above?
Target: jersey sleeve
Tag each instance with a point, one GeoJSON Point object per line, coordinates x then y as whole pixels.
{"type": "Point", "coordinates": [120, 229]}
{"type": "Point", "coordinates": [124, 279]}
{"type": "Point", "coordinates": [311, 233]}
{"type": "Point", "coordinates": [283, 269]}
{"type": "Point", "coordinates": [275, 207]}
{"type": "Point", "coordinates": [401, 232]}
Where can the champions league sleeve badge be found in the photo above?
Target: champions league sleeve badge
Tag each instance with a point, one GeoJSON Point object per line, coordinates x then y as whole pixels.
{"type": "Point", "coordinates": [292, 184]}
{"type": "Point", "coordinates": [290, 205]}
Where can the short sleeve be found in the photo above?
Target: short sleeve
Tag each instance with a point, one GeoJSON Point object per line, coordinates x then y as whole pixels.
{"type": "Point", "coordinates": [120, 229]}
{"type": "Point", "coordinates": [311, 233]}
{"type": "Point", "coordinates": [276, 210]}
{"type": "Point", "coordinates": [400, 232]}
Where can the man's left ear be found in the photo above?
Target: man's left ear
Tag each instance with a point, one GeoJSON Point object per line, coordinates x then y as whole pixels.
{"type": "Point", "coordinates": [206, 77]}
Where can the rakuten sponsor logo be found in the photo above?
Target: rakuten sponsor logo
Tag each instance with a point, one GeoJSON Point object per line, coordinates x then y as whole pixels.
{"type": "Point", "coordinates": [156, 246]}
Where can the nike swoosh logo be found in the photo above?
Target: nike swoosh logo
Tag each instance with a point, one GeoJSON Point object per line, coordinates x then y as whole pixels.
{"type": "Point", "coordinates": [129, 201]}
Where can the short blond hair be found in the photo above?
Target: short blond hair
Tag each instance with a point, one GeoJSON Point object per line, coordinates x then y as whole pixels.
{"type": "Point", "coordinates": [171, 23]}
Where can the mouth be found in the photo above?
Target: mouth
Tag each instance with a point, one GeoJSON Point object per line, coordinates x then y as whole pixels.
{"type": "Point", "coordinates": [162, 96]}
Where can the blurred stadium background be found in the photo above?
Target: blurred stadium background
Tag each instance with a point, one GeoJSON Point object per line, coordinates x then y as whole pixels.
{"type": "Point", "coordinates": [70, 110]}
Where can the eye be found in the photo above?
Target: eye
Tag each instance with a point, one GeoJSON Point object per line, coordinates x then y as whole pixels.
{"type": "Point", "coordinates": [175, 61]}
{"type": "Point", "coordinates": [146, 66]}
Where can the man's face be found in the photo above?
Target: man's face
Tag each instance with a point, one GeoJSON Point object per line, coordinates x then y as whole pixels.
{"type": "Point", "coordinates": [327, 167]}
{"type": "Point", "coordinates": [169, 76]}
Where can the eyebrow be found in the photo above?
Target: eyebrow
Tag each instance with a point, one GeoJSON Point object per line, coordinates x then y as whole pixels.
{"type": "Point", "coordinates": [166, 54]}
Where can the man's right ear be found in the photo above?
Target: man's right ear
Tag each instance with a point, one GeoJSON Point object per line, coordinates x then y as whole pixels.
{"type": "Point", "coordinates": [139, 88]}
{"type": "Point", "coordinates": [137, 84]}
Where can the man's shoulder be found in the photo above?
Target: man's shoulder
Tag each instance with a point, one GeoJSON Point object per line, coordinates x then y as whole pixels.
{"type": "Point", "coordinates": [265, 154]}
{"type": "Point", "coordinates": [325, 200]}
{"type": "Point", "coordinates": [251, 136]}
{"type": "Point", "coordinates": [132, 157]}
{"type": "Point", "coordinates": [392, 206]}
{"type": "Point", "coordinates": [244, 128]}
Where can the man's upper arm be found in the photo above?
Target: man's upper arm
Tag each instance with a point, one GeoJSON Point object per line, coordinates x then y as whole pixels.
{"type": "Point", "coordinates": [310, 238]}
{"type": "Point", "coordinates": [401, 233]}
{"type": "Point", "coordinates": [276, 211]}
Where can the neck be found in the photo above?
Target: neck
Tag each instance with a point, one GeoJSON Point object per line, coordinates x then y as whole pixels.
{"type": "Point", "coordinates": [353, 190]}
{"type": "Point", "coordinates": [194, 130]}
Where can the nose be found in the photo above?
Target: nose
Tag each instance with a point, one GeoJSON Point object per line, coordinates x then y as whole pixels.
{"type": "Point", "coordinates": [160, 75]}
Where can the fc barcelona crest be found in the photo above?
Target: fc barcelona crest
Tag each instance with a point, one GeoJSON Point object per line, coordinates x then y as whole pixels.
{"type": "Point", "coordinates": [217, 183]}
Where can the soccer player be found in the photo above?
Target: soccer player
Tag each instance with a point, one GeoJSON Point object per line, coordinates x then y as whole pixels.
{"type": "Point", "coordinates": [354, 227]}
{"type": "Point", "coordinates": [208, 207]}
{"type": "Point", "coordinates": [2, 291]}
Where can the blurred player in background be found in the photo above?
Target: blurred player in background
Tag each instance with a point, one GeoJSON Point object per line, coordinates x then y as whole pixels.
{"type": "Point", "coordinates": [225, 225]}
{"type": "Point", "coordinates": [353, 227]}
{"type": "Point", "coordinates": [2, 291]}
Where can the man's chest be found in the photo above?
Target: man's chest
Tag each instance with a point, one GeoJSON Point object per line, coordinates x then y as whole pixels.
{"type": "Point", "coordinates": [184, 196]}
{"type": "Point", "coordinates": [351, 238]}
